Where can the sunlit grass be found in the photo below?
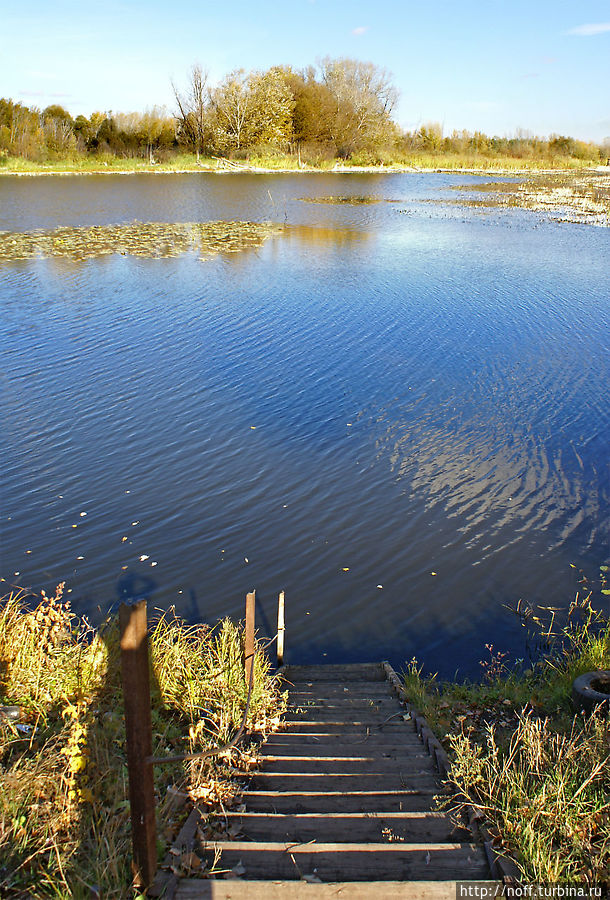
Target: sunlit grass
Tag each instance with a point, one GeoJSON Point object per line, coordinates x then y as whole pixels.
{"type": "Point", "coordinates": [64, 815]}
{"type": "Point", "coordinates": [275, 160]}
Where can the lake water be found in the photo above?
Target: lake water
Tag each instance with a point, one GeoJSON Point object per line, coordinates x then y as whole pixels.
{"type": "Point", "coordinates": [395, 412]}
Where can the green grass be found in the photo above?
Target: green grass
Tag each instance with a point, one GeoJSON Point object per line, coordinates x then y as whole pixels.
{"type": "Point", "coordinates": [64, 814]}
{"type": "Point", "coordinates": [106, 163]}
{"type": "Point", "coordinates": [538, 771]}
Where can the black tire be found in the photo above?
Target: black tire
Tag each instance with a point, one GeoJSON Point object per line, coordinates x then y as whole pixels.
{"type": "Point", "coordinates": [592, 690]}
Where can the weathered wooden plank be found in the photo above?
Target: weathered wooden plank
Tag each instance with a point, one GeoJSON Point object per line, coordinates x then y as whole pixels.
{"type": "Point", "coordinates": [249, 634]}
{"type": "Point", "coordinates": [327, 801]}
{"type": "Point", "coordinates": [356, 862]}
{"type": "Point", "coordinates": [328, 765]}
{"type": "Point", "coordinates": [352, 827]}
{"type": "Point", "coordinates": [356, 781]}
{"type": "Point", "coordinates": [235, 889]}
{"type": "Point", "coordinates": [343, 689]}
{"type": "Point", "coordinates": [335, 673]}
{"type": "Point", "coordinates": [333, 725]}
{"type": "Point", "coordinates": [344, 716]}
{"type": "Point", "coordinates": [138, 729]}
{"type": "Point", "coordinates": [304, 697]}
{"type": "Point", "coordinates": [281, 629]}
{"type": "Point", "coordinates": [359, 738]}
{"type": "Point", "coordinates": [346, 705]}
{"type": "Point", "coordinates": [411, 748]}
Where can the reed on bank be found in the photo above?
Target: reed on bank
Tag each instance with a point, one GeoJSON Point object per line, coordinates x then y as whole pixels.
{"type": "Point", "coordinates": [64, 812]}
{"type": "Point", "coordinates": [538, 771]}
{"type": "Point", "coordinates": [265, 160]}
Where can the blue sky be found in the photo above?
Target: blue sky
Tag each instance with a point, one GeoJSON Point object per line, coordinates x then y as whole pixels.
{"type": "Point", "coordinates": [496, 66]}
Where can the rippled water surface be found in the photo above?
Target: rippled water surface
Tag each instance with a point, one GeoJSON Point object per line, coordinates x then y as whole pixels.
{"type": "Point", "coordinates": [396, 412]}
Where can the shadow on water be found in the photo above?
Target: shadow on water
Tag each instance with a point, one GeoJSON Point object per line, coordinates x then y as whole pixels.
{"type": "Point", "coordinates": [133, 587]}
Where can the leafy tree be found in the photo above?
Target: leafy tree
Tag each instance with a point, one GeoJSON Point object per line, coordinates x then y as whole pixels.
{"type": "Point", "coordinates": [272, 105]}
{"type": "Point", "coordinates": [232, 104]}
{"type": "Point", "coordinates": [57, 112]}
{"type": "Point", "coordinates": [364, 98]}
{"type": "Point", "coordinates": [314, 108]}
{"type": "Point", "coordinates": [431, 136]}
{"type": "Point", "coordinates": [22, 133]}
{"type": "Point", "coordinates": [562, 146]}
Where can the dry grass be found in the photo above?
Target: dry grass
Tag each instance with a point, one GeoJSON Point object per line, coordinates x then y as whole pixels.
{"type": "Point", "coordinates": [539, 772]}
{"type": "Point", "coordinates": [64, 815]}
{"type": "Point", "coordinates": [547, 794]}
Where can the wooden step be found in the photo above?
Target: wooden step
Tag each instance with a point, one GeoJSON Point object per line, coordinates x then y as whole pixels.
{"type": "Point", "coordinates": [333, 725]}
{"type": "Point", "coordinates": [385, 706]}
{"type": "Point", "coordinates": [300, 801]}
{"type": "Point", "coordinates": [327, 689]}
{"type": "Point", "coordinates": [356, 740]}
{"type": "Point", "coordinates": [335, 673]}
{"type": "Point", "coordinates": [369, 715]}
{"type": "Point", "coordinates": [411, 748]}
{"type": "Point", "coordinates": [357, 781]}
{"type": "Point", "coordinates": [236, 889]}
{"type": "Point", "coordinates": [336, 765]}
{"type": "Point", "coordinates": [352, 827]}
{"type": "Point", "coordinates": [356, 862]}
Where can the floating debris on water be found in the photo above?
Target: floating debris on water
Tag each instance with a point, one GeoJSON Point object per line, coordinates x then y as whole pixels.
{"type": "Point", "coordinates": [155, 240]}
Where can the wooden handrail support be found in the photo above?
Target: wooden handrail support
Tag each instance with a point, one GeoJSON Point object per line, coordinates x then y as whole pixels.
{"type": "Point", "coordinates": [249, 634]}
{"type": "Point", "coordinates": [138, 728]}
{"type": "Point", "coordinates": [281, 629]}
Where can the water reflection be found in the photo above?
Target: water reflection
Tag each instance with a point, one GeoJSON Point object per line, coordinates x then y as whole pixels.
{"type": "Point", "coordinates": [426, 397]}
{"type": "Point", "coordinates": [324, 238]}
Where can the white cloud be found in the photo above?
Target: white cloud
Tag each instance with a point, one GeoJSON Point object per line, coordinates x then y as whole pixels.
{"type": "Point", "coordinates": [360, 30]}
{"type": "Point", "coordinates": [587, 30]}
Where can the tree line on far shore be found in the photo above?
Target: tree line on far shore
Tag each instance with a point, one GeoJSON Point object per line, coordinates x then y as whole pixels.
{"type": "Point", "coordinates": [340, 109]}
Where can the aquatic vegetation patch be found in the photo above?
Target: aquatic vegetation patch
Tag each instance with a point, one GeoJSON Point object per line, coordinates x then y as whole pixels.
{"type": "Point", "coordinates": [154, 240]}
{"type": "Point", "coordinates": [582, 198]}
{"type": "Point", "coordinates": [350, 201]}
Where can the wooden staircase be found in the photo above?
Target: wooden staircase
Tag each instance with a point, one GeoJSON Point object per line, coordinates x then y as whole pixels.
{"type": "Point", "coordinates": [343, 803]}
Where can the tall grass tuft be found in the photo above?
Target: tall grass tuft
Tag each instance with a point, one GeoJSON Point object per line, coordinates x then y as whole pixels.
{"type": "Point", "coordinates": [64, 814]}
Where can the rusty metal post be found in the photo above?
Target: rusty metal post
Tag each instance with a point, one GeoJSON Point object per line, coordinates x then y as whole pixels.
{"type": "Point", "coordinates": [249, 636]}
{"type": "Point", "coordinates": [138, 728]}
{"type": "Point", "coordinates": [280, 629]}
